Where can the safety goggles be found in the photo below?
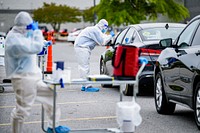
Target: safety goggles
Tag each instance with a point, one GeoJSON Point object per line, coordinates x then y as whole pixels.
{"type": "Point", "coordinates": [106, 26]}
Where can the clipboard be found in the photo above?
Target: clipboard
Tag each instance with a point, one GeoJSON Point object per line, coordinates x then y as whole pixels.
{"type": "Point", "coordinates": [100, 78]}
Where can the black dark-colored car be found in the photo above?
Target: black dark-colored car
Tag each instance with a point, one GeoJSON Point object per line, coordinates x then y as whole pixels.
{"type": "Point", "coordinates": [177, 72]}
{"type": "Point", "coordinates": [145, 36]}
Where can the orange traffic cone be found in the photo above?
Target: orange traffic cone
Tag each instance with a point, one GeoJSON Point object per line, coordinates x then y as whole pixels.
{"type": "Point", "coordinates": [49, 67]}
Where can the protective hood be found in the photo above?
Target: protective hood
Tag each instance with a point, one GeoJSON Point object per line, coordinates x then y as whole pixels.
{"type": "Point", "coordinates": [102, 24]}
{"type": "Point", "coordinates": [23, 19]}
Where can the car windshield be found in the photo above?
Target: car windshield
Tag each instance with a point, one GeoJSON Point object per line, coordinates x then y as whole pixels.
{"type": "Point", "coordinates": [160, 33]}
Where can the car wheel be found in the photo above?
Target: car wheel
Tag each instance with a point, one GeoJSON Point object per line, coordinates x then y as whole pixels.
{"type": "Point", "coordinates": [1, 89]}
{"type": "Point", "coordinates": [197, 105]}
{"type": "Point", "coordinates": [128, 90]}
{"type": "Point", "coordinates": [102, 71]}
{"type": "Point", "coordinates": [162, 105]}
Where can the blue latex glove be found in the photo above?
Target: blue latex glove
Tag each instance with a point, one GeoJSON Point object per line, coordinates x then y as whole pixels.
{"type": "Point", "coordinates": [91, 89]}
{"type": "Point", "coordinates": [44, 49]}
{"type": "Point", "coordinates": [112, 33]}
{"type": "Point", "coordinates": [59, 129]}
{"type": "Point", "coordinates": [47, 43]}
{"type": "Point", "coordinates": [43, 52]}
{"type": "Point", "coordinates": [62, 85]}
{"type": "Point", "coordinates": [143, 60]}
{"type": "Point", "coordinates": [126, 40]}
{"type": "Point", "coordinates": [32, 26]}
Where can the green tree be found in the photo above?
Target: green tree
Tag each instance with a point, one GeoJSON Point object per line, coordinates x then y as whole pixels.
{"type": "Point", "coordinates": [126, 12]}
{"type": "Point", "coordinates": [56, 15]}
{"type": "Point", "coordinates": [88, 15]}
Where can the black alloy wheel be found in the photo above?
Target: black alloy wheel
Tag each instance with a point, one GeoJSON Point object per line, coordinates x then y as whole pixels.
{"type": "Point", "coordinates": [128, 90]}
{"type": "Point", "coordinates": [197, 105]}
{"type": "Point", "coordinates": [1, 89]}
{"type": "Point", "coordinates": [162, 105]}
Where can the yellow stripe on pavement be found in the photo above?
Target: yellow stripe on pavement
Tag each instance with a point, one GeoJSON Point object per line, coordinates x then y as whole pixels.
{"type": "Point", "coordinates": [58, 91]}
{"type": "Point", "coordinates": [64, 120]}
{"type": "Point", "coordinates": [92, 118]}
{"type": "Point", "coordinates": [36, 105]}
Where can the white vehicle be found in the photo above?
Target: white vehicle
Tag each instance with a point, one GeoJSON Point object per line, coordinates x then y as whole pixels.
{"type": "Point", "coordinates": [3, 34]}
{"type": "Point", "coordinates": [72, 36]}
{"type": "Point", "coordinates": [2, 50]}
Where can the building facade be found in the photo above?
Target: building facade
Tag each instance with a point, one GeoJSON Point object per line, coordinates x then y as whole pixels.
{"type": "Point", "coordinates": [7, 18]}
{"type": "Point", "coordinates": [193, 6]}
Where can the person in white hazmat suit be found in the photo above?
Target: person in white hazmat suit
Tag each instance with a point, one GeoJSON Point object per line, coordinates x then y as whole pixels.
{"type": "Point", "coordinates": [85, 43]}
{"type": "Point", "coordinates": [23, 43]}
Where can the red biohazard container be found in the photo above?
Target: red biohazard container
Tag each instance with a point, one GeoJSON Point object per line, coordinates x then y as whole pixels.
{"type": "Point", "coordinates": [125, 62]}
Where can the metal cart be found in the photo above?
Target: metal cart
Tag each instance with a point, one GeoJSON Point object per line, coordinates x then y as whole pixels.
{"type": "Point", "coordinates": [6, 82]}
{"type": "Point", "coordinates": [121, 83]}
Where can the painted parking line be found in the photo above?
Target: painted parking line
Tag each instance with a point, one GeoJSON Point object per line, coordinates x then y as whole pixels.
{"type": "Point", "coordinates": [65, 120]}
{"type": "Point", "coordinates": [59, 91]}
{"type": "Point", "coordinates": [36, 105]}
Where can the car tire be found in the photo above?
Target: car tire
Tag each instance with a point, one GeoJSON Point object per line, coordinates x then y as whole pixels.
{"type": "Point", "coordinates": [197, 105]}
{"type": "Point", "coordinates": [102, 71]}
{"type": "Point", "coordinates": [128, 90]}
{"type": "Point", "coordinates": [163, 106]}
{"type": "Point", "coordinates": [1, 89]}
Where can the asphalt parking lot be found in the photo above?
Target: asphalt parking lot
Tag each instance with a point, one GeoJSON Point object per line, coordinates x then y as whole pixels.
{"type": "Point", "coordinates": [81, 110]}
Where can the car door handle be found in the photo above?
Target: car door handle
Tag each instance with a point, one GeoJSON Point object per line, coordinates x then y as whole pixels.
{"type": "Point", "coordinates": [197, 53]}
{"type": "Point", "coordinates": [181, 52]}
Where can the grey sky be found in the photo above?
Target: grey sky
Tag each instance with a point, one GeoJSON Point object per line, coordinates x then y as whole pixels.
{"type": "Point", "coordinates": [33, 4]}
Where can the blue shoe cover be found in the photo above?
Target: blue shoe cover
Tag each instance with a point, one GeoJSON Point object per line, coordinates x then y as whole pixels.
{"type": "Point", "coordinates": [91, 89]}
{"type": "Point", "coordinates": [82, 88]}
{"type": "Point", "coordinates": [59, 129]}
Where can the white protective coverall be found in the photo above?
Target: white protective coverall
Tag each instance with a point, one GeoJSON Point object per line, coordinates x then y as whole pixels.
{"type": "Point", "coordinates": [26, 77]}
{"type": "Point", "coordinates": [86, 42]}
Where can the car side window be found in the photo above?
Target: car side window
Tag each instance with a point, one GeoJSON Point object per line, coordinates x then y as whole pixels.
{"type": "Point", "coordinates": [137, 38]}
{"type": "Point", "coordinates": [185, 37]}
{"type": "Point", "coordinates": [196, 40]}
{"type": "Point", "coordinates": [120, 37]}
{"type": "Point", "coordinates": [129, 37]}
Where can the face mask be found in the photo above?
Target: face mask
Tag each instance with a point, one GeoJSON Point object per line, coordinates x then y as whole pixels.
{"type": "Point", "coordinates": [105, 28]}
{"type": "Point", "coordinates": [29, 34]}
{"type": "Point", "coordinates": [103, 31]}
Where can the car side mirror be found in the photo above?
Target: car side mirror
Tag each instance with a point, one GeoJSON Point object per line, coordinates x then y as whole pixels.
{"type": "Point", "coordinates": [165, 43]}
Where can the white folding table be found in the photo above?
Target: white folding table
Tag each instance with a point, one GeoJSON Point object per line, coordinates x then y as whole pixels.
{"type": "Point", "coordinates": [121, 83]}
